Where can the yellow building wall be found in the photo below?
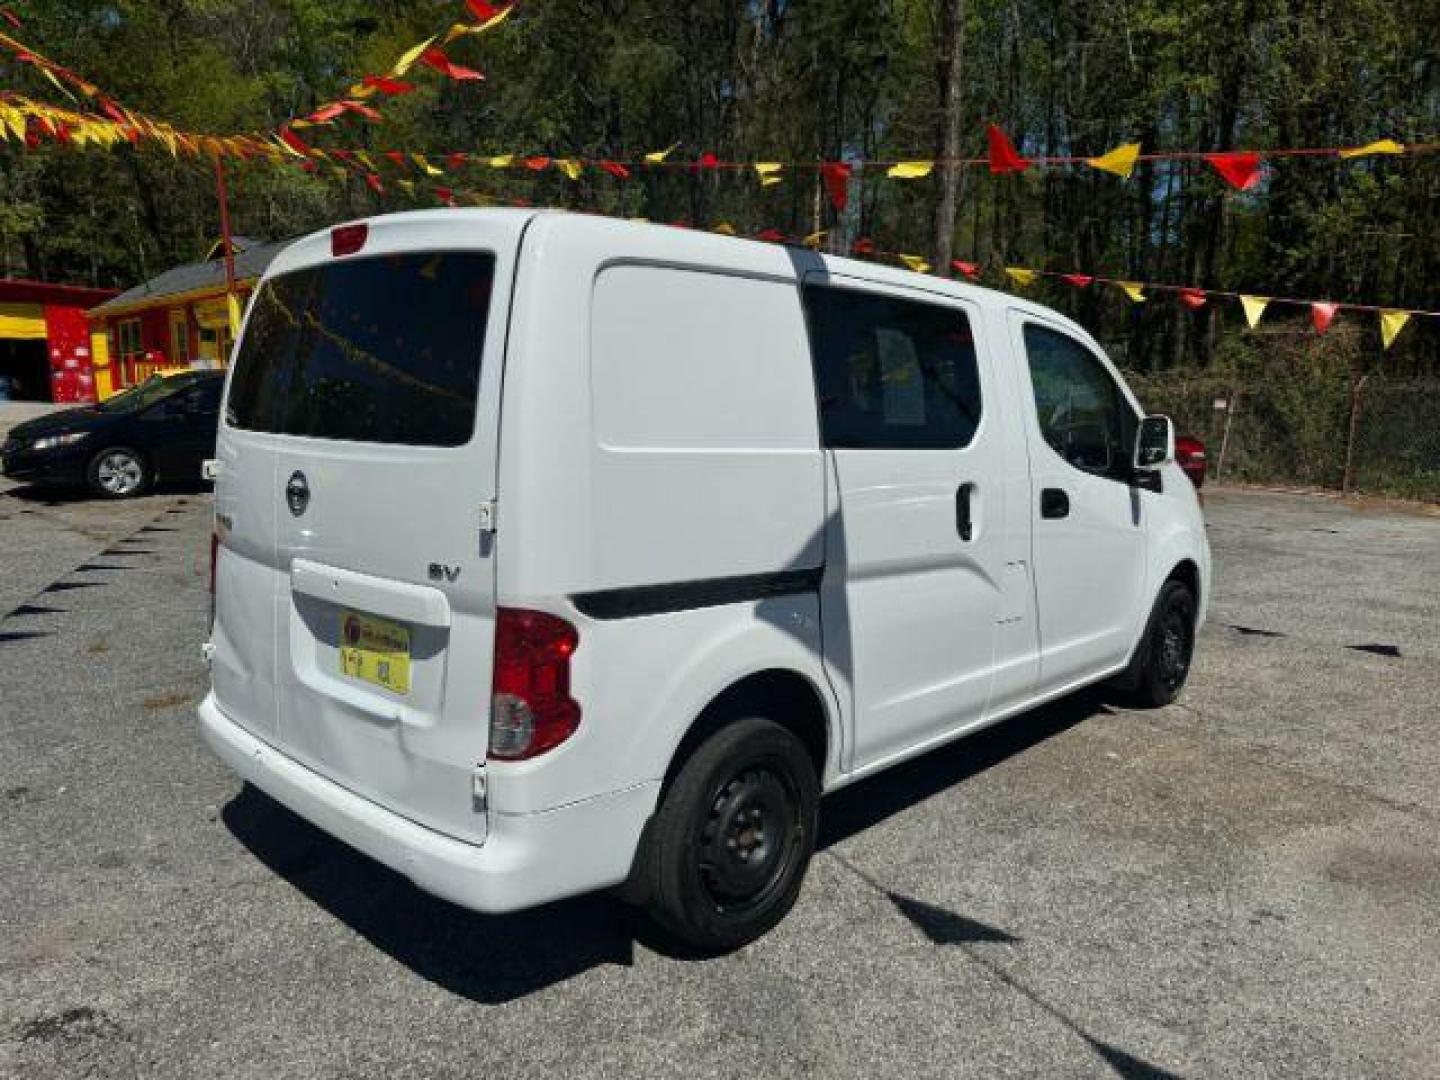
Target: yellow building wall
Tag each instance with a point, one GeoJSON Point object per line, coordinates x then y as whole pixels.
{"type": "Point", "coordinates": [100, 359]}
{"type": "Point", "coordinates": [22, 322]}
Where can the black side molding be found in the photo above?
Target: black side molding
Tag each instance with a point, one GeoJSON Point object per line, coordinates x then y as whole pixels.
{"type": "Point", "coordinates": [687, 595]}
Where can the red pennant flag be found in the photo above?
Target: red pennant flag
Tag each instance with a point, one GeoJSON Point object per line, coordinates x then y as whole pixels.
{"type": "Point", "coordinates": [539, 163]}
{"type": "Point", "coordinates": [482, 11]}
{"type": "Point", "coordinates": [387, 85]}
{"type": "Point", "coordinates": [1321, 314]}
{"type": "Point", "coordinates": [708, 161]}
{"type": "Point", "coordinates": [110, 109]}
{"type": "Point", "coordinates": [374, 182]}
{"type": "Point", "coordinates": [436, 58]}
{"type": "Point", "coordinates": [445, 195]}
{"type": "Point", "coordinates": [1078, 280]}
{"type": "Point", "coordinates": [836, 176]}
{"type": "Point", "coordinates": [397, 157]}
{"type": "Point", "coordinates": [1194, 299]}
{"type": "Point", "coordinates": [12, 19]}
{"type": "Point", "coordinates": [290, 139]}
{"type": "Point", "coordinates": [615, 169]}
{"type": "Point", "coordinates": [1241, 169]}
{"type": "Point", "coordinates": [969, 269]}
{"type": "Point", "coordinates": [863, 246]}
{"type": "Point", "coordinates": [309, 166]}
{"type": "Point", "coordinates": [771, 236]}
{"type": "Point", "coordinates": [361, 109]}
{"type": "Point", "coordinates": [454, 161]}
{"type": "Point", "coordinates": [1003, 157]}
{"type": "Point", "coordinates": [346, 156]}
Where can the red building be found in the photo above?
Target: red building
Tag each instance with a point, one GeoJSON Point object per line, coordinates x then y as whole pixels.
{"type": "Point", "coordinates": [47, 350]}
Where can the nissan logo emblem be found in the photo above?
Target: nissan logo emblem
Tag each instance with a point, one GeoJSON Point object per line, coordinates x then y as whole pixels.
{"type": "Point", "coordinates": [297, 493]}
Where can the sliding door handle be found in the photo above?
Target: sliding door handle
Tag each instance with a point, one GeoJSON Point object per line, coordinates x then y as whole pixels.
{"type": "Point", "coordinates": [1054, 503]}
{"type": "Point", "coordinates": [964, 524]}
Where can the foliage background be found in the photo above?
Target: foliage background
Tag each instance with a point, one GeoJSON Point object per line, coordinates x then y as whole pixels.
{"type": "Point", "coordinates": [797, 80]}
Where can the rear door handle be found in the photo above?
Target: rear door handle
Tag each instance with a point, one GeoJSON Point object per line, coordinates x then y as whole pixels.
{"type": "Point", "coordinates": [1054, 503]}
{"type": "Point", "coordinates": [964, 525]}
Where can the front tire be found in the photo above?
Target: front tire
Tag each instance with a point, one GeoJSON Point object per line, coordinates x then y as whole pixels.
{"type": "Point", "coordinates": [1162, 659]}
{"type": "Point", "coordinates": [729, 846]}
{"type": "Point", "coordinates": [118, 472]}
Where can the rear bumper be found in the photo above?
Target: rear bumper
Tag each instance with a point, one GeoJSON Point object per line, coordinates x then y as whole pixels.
{"type": "Point", "coordinates": [526, 859]}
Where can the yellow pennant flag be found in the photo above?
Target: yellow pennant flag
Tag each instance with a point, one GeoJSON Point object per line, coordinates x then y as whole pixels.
{"type": "Point", "coordinates": [407, 61]}
{"type": "Point", "coordinates": [769, 172]}
{"type": "Point", "coordinates": [656, 157]}
{"type": "Point", "coordinates": [11, 121]}
{"type": "Point", "coordinates": [915, 262]}
{"type": "Point", "coordinates": [1254, 307]}
{"type": "Point", "coordinates": [570, 167]}
{"type": "Point", "coordinates": [1379, 146]}
{"type": "Point", "coordinates": [909, 170]}
{"type": "Point", "coordinates": [361, 91]}
{"type": "Point", "coordinates": [813, 240]}
{"type": "Point", "coordinates": [1021, 276]}
{"type": "Point", "coordinates": [366, 160]}
{"type": "Point", "coordinates": [1120, 161]}
{"type": "Point", "coordinates": [724, 229]}
{"type": "Point", "coordinates": [461, 29]}
{"type": "Point", "coordinates": [1133, 290]}
{"type": "Point", "coordinates": [424, 166]}
{"type": "Point", "coordinates": [501, 161]}
{"type": "Point", "coordinates": [408, 185]}
{"type": "Point", "coordinates": [1391, 323]}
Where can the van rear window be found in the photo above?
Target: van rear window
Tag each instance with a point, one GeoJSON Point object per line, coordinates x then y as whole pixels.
{"type": "Point", "coordinates": [384, 349]}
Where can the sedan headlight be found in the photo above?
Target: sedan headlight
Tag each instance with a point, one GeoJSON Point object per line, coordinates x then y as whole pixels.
{"type": "Point", "coordinates": [50, 442]}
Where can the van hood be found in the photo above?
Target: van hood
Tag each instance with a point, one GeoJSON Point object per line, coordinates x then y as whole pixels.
{"type": "Point", "coordinates": [86, 418]}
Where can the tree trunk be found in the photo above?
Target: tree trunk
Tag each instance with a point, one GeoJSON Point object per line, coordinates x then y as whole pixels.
{"type": "Point", "coordinates": [952, 57]}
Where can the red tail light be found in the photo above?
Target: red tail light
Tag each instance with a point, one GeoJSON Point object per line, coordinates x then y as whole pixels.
{"type": "Point", "coordinates": [531, 710]}
{"type": "Point", "coordinates": [1190, 456]}
{"type": "Point", "coordinates": [348, 239]}
{"type": "Point", "coordinates": [214, 555]}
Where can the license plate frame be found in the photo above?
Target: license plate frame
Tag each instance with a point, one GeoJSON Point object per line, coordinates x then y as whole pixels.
{"type": "Point", "coordinates": [375, 651]}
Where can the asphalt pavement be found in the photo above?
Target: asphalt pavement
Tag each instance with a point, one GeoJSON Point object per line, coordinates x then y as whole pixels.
{"type": "Point", "coordinates": [1244, 884]}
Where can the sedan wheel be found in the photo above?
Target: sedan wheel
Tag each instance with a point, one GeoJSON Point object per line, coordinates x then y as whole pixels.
{"type": "Point", "coordinates": [118, 473]}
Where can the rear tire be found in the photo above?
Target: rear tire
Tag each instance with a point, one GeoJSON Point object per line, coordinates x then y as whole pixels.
{"type": "Point", "coordinates": [728, 849]}
{"type": "Point", "coordinates": [1161, 664]}
{"type": "Point", "coordinates": [117, 472]}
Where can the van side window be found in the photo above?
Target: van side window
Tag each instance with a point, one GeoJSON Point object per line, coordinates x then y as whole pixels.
{"type": "Point", "coordinates": [892, 373]}
{"type": "Point", "coordinates": [1083, 414]}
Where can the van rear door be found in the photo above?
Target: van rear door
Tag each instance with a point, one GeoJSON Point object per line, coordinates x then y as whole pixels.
{"type": "Point", "coordinates": [372, 382]}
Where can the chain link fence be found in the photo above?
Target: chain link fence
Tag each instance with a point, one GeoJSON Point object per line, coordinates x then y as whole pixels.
{"type": "Point", "coordinates": [1324, 425]}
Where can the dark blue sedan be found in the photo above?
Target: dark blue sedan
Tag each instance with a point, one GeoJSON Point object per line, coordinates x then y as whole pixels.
{"type": "Point", "coordinates": [161, 430]}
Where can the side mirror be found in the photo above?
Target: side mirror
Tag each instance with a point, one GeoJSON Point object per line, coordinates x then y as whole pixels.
{"type": "Point", "coordinates": [1154, 444]}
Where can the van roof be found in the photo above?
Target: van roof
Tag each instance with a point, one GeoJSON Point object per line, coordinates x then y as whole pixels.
{"type": "Point", "coordinates": [804, 260]}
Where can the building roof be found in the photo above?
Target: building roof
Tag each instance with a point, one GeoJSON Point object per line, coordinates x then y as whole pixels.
{"type": "Point", "coordinates": [251, 259]}
{"type": "Point", "coordinates": [20, 291]}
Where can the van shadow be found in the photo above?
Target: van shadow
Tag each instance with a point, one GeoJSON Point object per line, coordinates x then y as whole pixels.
{"type": "Point", "coordinates": [493, 959]}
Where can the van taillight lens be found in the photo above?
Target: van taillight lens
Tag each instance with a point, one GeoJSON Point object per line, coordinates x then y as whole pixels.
{"type": "Point", "coordinates": [348, 239]}
{"type": "Point", "coordinates": [531, 710]}
{"type": "Point", "coordinates": [214, 555]}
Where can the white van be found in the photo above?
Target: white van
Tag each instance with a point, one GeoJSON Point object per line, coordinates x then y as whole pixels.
{"type": "Point", "coordinates": [555, 552]}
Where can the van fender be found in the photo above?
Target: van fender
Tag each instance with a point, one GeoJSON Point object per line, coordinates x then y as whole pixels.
{"type": "Point", "coordinates": [783, 635]}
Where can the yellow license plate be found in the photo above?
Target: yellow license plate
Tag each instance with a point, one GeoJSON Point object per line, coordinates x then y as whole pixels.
{"type": "Point", "coordinates": [375, 651]}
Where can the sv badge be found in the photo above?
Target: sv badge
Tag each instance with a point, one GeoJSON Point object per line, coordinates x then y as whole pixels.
{"type": "Point", "coordinates": [441, 572]}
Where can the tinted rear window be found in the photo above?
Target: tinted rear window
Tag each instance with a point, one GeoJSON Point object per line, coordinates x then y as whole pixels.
{"type": "Point", "coordinates": [383, 349]}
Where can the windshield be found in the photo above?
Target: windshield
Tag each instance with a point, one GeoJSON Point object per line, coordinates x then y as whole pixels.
{"type": "Point", "coordinates": [383, 349]}
{"type": "Point", "coordinates": [142, 396]}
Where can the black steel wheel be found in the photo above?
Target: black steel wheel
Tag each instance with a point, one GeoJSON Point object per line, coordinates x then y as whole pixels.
{"type": "Point", "coordinates": [1162, 661]}
{"type": "Point", "coordinates": [728, 848]}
